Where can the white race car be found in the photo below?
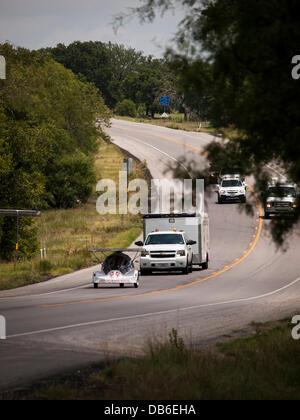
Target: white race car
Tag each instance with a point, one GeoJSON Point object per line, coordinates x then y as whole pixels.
{"type": "Point", "coordinates": [117, 269]}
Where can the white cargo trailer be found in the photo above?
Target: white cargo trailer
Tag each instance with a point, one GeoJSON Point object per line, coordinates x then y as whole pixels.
{"type": "Point", "coordinates": [195, 226]}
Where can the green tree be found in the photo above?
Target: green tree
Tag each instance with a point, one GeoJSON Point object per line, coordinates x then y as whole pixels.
{"type": "Point", "coordinates": [249, 45]}
{"type": "Point", "coordinates": [71, 181]}
{"type": "Point", "coordinates": [142, 86]}
{"type": "Point", "coordinates": [46, 113]}
{"type": "Point", "coordinates": [126, 108]}
{"type": "Point", "coordinates": [90, 59]}
{"type": "Point", "coordinates": [120, 73]}
{"type": "Point", "coordinates": [105, 65]}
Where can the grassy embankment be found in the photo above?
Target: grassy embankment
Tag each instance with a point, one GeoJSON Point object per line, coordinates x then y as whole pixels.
{"type": "Point", "coordinates": [70, 234]}
{"type": "Point", "coordinates": [262, 363]}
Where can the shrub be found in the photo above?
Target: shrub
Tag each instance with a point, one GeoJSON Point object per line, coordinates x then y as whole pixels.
{"type": "Point", "coordinates": [141, 111]}
{"type": "Point", "coordinates": [45, 267]}
{"type": "Point", "coordinates": [71, 181]}
{"type": "Point", "coordinates": [126, 108]}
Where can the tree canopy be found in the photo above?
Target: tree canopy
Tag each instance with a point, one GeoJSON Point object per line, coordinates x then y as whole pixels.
{"type": "Point", "coordinates": [47, 133]}
{"type": "Point", "coordinates": [119, 73]}
{"type": "Point", "coordinates": [238, 54]}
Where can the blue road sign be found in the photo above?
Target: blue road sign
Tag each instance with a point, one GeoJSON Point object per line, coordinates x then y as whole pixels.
{"type": "Point", "coordinates": [165, 100]}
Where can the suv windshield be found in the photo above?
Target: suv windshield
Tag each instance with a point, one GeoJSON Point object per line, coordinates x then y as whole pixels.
{"type": "Point", "coordinates": [231, 183]}
{"type": "Point", "coordinates": [165, 239]}
{"type": "Point", "coordinates": [282, 192]}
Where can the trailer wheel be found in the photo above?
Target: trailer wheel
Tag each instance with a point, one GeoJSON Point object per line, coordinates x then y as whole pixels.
{"type": "Point", "coordinates": [204, 266]}
{"type": "Point", "coordinates": [145, 272]}
{"type": "Point", "coordinates": [186, 270]}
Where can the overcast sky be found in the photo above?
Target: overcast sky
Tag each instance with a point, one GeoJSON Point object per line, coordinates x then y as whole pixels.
{"type": "Point", "coordinates": [40, 23]}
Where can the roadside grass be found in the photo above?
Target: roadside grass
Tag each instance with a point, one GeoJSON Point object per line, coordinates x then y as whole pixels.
{"type": "Point", "coordinates": [70, 234]}
{"type": "Point", "coordinates": [263, 366]}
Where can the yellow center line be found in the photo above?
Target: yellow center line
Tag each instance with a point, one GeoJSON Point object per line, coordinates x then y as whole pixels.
{"type": "Point", "coordinates": [237, 262]}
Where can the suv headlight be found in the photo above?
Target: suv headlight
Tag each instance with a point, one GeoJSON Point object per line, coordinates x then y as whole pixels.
{"type": "Point", "coordinates": [180, 253]}
{"type": "Point", "coordinates": [145, 254]}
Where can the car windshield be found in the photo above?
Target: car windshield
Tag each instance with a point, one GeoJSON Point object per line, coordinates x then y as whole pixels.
{"type": "Point", "coordinates": [165, 239]}
{"type": "Point", "coordinates": [282, 192]}
{"type": "Point", "coordinates": [231, 183]}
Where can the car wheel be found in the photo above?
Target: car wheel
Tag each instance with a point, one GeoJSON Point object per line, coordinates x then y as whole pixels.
{"type": "Point", "coordinates": [136, 285]}
{"type": "Point", "coordinates": [220, 201]}
{"type": "Point", "coordinates": [122, 285]}
{"type": "Point", "coordinates": [96, 285]}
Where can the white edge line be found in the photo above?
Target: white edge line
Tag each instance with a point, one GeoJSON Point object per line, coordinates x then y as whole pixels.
{"type": "Point", "coordinates": [86, 324]}
{"type": "Point", "coordinates": [8, 298]}
{"type": "Point", "coordinates": [158, 150]}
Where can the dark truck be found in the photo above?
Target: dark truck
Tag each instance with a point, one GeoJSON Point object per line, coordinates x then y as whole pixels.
{"type": "Point", "coordinates": [281, 199]}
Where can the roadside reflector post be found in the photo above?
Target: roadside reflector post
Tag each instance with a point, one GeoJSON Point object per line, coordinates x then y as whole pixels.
{"type": "Point", "coordinates": [128, 168]}
{"type": "Point", "coordinates": [43, 250]}
{"type": "Point", "coordinates": [17, 236]}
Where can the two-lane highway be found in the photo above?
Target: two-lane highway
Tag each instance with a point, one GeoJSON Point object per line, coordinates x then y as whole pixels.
{"type": "Point", "coordinates": [65, 322]}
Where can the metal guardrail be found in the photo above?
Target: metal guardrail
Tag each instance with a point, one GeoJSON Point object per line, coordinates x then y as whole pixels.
{"type": "Point", "coordinates": [19, 213]}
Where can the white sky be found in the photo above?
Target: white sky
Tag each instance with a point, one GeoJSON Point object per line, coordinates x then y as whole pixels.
{"type": "Point", "coordinates": [44, 23]}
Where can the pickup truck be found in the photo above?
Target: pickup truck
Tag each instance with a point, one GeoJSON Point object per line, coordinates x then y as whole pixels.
{"type": "Point", "coordinates": [175, 242]}
{"type": "Point", "coordinates": [167, 251]}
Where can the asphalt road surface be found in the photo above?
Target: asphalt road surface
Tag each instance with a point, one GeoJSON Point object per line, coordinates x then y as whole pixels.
{"type": "Point", "coordinates": [64, 323]}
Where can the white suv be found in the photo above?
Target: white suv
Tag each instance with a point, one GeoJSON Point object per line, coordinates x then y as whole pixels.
{"type": "Point", "coordinates": [231, 189]}
{"type": "Point", "coordinates": [167, 251]}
